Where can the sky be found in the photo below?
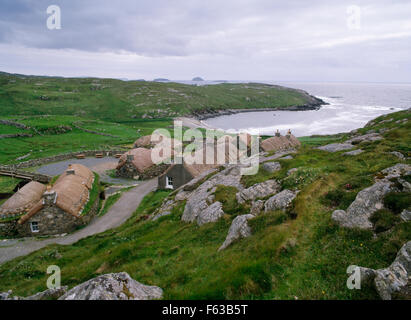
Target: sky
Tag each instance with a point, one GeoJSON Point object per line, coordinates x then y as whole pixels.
{"type": "Point", "coordinates": [269, 40]}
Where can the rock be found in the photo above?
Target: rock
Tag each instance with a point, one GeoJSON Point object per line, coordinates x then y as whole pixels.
{"type": "Point", "coordinates": [365, 204]}
{"type": "Point", "coordinates": [394, 282]}
{"type": "Point", "coordinates": [259, 190]}
{"type": "Point", "coordinates": [399, 155]}
{"type": "Point", "coordinates": [211, 214]}
{"type": "Point", "coordinates": [396, 171]}
{"type": "Point", "coordinates": [49, 294]}
{"type": "Point", "coordinates": [164, 210]}
{"type": "Point", "coordinates": [291, 171]}
{"type": "Point", "coordinates": [406, 215]}
{"type": "Point", "coordinates": [287, 158]}
{"type": "Point", "coordinates": [201, 198]}
{"type": "Point", "coordinates": [335, 147]}
{"type": "Point", "coordinates": [280, 201]}
{"type": "Point", "coordinates": [113, 286]}
{"type": "Point", "coordinates": [271, 166]}
{"type": "Point", "coordinates": [369, 137]}
{"type": "Point", "coordinates": [6, 295]}
{"type": "Point", "coordinates": [257, 207]}
{"type": "Point", "coordinates": [239, 229]}
{"type": "Point", "coordinates": [353, 153]}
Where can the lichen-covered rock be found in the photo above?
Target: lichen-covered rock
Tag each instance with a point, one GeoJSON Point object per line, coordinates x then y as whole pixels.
{"type": "Point", "coordinates": [113, 286]}
{"type": "Point", "coordinates": [257, 207]}
{"type": "Point", "coordinates": [211, 214]}
{"type": "Point", "coordinates": [7, 295]}
{"type": "Point", "coordinates": [365, 204]}
{"type": "Point", "coordinates": [335, 147]}
{"type": "Point", "coordinates": [164, 210]}
{"type": "Point", "coordinates": [200, 199]}
{"type": "Point", "coordinates": [396, 171]}
{"type": "Point", "coordinates": [271, 166]}
{"type": "Point", "coordinates": [239, 229]}
{"type": "Point", "coordinates": [393, 282]}
{"type": "Point", "coordinates": [280, 201]}
{"type": "Point", "coordinates": [353, 153]}
{"type": "Point", "coordinates": [259, 190]}
{"type": "Point", "coordinates": [369, 137]}
{"type": "Point", "coordinates": [399, 155]}
{"type": "Point", "coordinates": [49, 294]}
{"type": "Point", "coordinates": [406, 215]}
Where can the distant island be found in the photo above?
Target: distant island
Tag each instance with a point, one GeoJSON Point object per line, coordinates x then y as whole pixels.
{"type": "Point", "coordinates": [197, 79]}
{"type": "Point", "coordinates": [161, 80]}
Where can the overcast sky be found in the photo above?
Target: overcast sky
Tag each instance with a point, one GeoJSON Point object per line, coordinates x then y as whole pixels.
{"type": "Point", "coordinates": [216, 39]}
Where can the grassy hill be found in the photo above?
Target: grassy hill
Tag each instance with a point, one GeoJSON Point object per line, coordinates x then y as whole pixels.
{"type": "Point", "coordinates": [125, 101]}
{"type": "Point", "coordinates": [285, 258]}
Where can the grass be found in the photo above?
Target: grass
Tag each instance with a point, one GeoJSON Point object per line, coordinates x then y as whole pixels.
{"type": "Point", "coordinates": [94, 194]}
{"type": "Point", "coordinates": [110, 201]}
{"type": "Point", "coordinates": [117, 101]}
{"type": "Point", "coordinates": [304, 258]}
{"type": "Point", "coordinates": [8, 184]}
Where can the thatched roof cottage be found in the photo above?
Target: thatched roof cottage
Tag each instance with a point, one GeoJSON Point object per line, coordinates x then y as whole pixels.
{"type": "Point", "coordinates": [54, 209]}
{"type": "Point", "coordinates": [138, 163]}
{"type": "Point", "coordinates": [280, 143]}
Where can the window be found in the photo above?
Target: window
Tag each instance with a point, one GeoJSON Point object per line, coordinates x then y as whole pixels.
{"type": "Point", "coordinates": [34, 226]}
{"type": "Point", "coordinates": [169, 183]}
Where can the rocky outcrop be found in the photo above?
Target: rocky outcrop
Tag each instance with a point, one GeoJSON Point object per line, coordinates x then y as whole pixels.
{"type": "Point", "coordinates": [406, 215]}
{"type": "Point", "coordinates": [210, 214]}
{"type": "Point", "coordinates": [335, 147]}
{"type": "Point", "coordinates": [396, 171]}
{"type": "Point", "coordinates": [365, 204]}
{"type": "Point", "coordinates": [393, 282]}
{"type": "Point", "coordinates": [369, 137]}
{"type": "Point", "coordinates": [353, 153]}
{"type": "Point", "coordinates": [259, 190]}
{"type": "Point", "coordinates": [49, 294]}
{"type": "Point", "coordinates": [280, 201]}
{"type": "Point", "coordinates": [257, 207]}
{"type": "Point", "coordinates": [271, 166]}
{"type": "Point", "coordinates": [113, 286]}
{"type": "Point", "coordinates": [399, 155]}
{"type": "Point", "coordinates": [239, 229]}
{"type": "Point", "coordinates": [200, 207]}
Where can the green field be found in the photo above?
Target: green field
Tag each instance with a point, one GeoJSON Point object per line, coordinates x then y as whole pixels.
{"type": "Point", "coordinates": [285, 258]}
{"type": "Point", "coordinates": [125, 101]}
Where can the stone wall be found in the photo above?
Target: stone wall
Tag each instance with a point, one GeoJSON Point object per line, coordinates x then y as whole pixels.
{"type": "Point", "coordinates": [60, 157]}
{"type": "Point", "coordinates": [8, 229]}
{"type": "Point", "coordinates": [128, 170]}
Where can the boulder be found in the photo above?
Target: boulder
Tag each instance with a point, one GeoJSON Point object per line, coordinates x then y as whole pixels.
{"type": "Point", "coordinates": [287, 158]}
{"type": "Point", "coordinates": [49, 294]}
{"type": "Point", "coordinates": [396, 171]}
{"type": "Point", "coordinates": [353, 153]}
{"type": "Point", "coordinates": [201, 198]}
{"type": "Point", "coordinates": [280, 201]}
{"type": "Point", "coordinates": [271, 166]}
{"type": "Point", "coordinates": [393, 282]}
{"type": "Point", "coordinates": [113, 286]}
{"type": "Point", "coordinates": [211, 214]}
{"type": "Point", "coordinates": [259, 190]}
{"type": "Point", "coordinates": [406, 215]}
{"type": "Point", "coordinates": [369, 137]}
{"type": "Point", "coordinates": [239, 229]}
{"type": "Point", "coordinates": [335, 147]}
{"type": "Point", "coordinates": [399, 155]}
{"type": "Point", "coordinates": [365, 204]}
{"type": "Point", "coordinates": [257, 207]}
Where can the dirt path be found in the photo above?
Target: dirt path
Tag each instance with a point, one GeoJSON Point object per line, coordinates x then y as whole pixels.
{"type": "Point", "coordinates": [116, 216]}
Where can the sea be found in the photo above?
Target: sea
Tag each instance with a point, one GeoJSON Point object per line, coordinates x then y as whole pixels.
{"type": "Point", "coordinates": [350, 106]}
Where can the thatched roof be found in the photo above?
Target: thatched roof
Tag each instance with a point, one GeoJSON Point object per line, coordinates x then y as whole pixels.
{"type": "Point", "coordinates": [151, 141]}
{"type": "Point", "coordinates": [197, 169]}
{"type": "Point", "coordinates": [280, 143]}
{"type": "Point", "coordinates": [141, 159]}
{"type": "Point", "coordinates": [24, 199]}
{"type": "Point", "coordinates": [80, 171]}
{"type": "Point", "coordinates": [71, 192]}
